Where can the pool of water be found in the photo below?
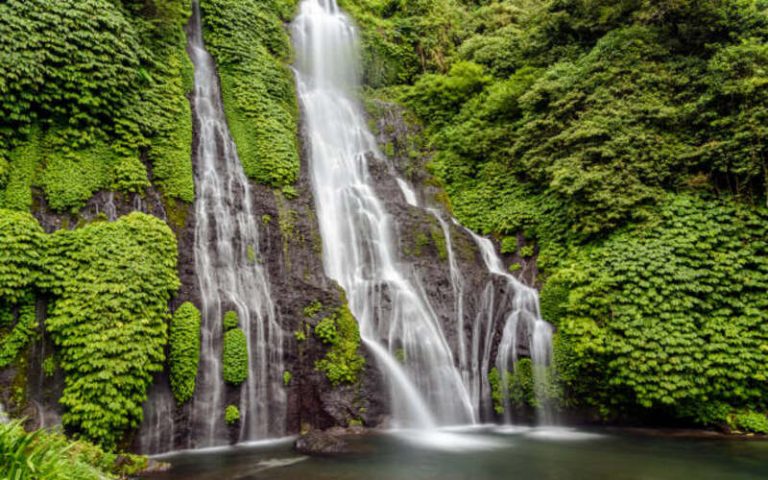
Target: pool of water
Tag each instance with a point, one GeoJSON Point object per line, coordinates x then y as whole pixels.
{"type": "Point", "coordinates": [487, 453]}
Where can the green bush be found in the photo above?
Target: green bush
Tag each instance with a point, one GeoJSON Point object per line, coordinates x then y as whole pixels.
{"type": "Point", "coordinates": [21, 257]}
{"type": "Point", "coordinates": [86, 97]}
{"type": "Point", "coordinates": [25, 330]}
{"type": "Point", "coordinates": [232, 414]}
{"type": "Point", "coordinates": [342, 362]}
{"type": "Point", "coordinates": [748, 421]}
{"type": "Point", "coordinates": [683, 300]}
{"type": "Point", "coordinates": [111, 283]}
{"type": "Point", "coordinates": [235, 357]}
{"type": "Point", "coordinates": [50, 456]}
{"type": "Point", "coordinates": [184, 352]}
{"type": "Point", "coordinates": [231, 320]}
{"type": "Point", "coordinates": [252, 48]}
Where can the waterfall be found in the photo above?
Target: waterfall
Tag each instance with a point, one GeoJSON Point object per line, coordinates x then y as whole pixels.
{"type": "Point", "coordinates": [397, 323]}
{"type": "Point", "coordinates": [523, 319]}
{"type": "Point", "coordinates": [229, 278]}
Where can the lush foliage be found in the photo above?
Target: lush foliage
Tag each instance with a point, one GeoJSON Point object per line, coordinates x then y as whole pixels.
{"type": "Point", "coordinates": [231, 414]}
{"type": "Point", "coordinates": [251, 48]}
{"type": "Point", "coordinates": [627, 142]}
{"type": "Point", "coordinates": [749, 422]}
{"type": "Point", "coordinates": [673, 314]}
{"type": "Point", "coordinates": [231, 320]}
{"type": "Point", "coordinates": [49, 455]}
{"type": "Point", "coordinates": [109, 348]}
{"type": "Point", "coordinates": [86, 99]}
{"type": "Point", "coordinates": [235, 357]}
{"type": "Point", "coordinates": [342, 362]}
{"type": "Point", "coordinates": [184, 354]}
{"type": "Point", "coordinates": [24, 330]}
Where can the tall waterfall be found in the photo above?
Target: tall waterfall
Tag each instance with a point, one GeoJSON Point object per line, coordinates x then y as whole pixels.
{"type": "Point", "coordinates": [397, 323]}
{"type": "Point", "coordinates": [230, 278]}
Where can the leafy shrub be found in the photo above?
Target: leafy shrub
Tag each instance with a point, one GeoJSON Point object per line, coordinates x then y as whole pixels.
{"type": "Point", "coordinates": [342, 362]}
{"type": "Point", "coordinates": [235, 357]}
{"type": "Point", "coordinates": [683, 300]}
{"type": "Point", "coordinates": [250, 46]}
{"type": "Point", "coordinates": [749, 421]}
{"type": "Point", "coordinates": [21, 257]}
{"type": "Point", "coordinates": [232, 414]}
{"type": "Point", "coordinates": [12, 344]}
{"type": "Point", "coordinates": [104, 91]}
{"type": "Point", "coordinates": [48, 455]}
{"type": "Point", "coordinates": [231, 320]}
{"type": "Point", "coordinates": [109, 349]}
{"type": "Point", "coordinates": [184, 351]}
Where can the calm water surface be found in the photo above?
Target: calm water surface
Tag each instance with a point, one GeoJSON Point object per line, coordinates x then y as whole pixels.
{"type": "Point", "coordinates": [513, 453]}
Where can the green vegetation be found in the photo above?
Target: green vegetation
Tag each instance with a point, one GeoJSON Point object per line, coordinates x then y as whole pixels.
{"type": "Point", "coordinates": [313, 309]}
{"type": "Point", "coordinates": [752, 422]}
{"type": "Point", "coordinates": [231, 414]}
{"type": "Point", "coordinates": [287, 377]}
{"type": "Point", "coordinates": [109, 286]}
{"type": "Point", "coordinates": [109, 349]}
{"type": "Point", "coordinates": [520, 386]}
{"type": "Point", "coordinates": [252, 50]}
{"type": "Point", "coordinates": [184, 354]}
{"type": "Point", "coordinates": [342, 362]}
{"type": "Point", "coordinates": [626, 141]}
{"type": "Point", "coordinates": [235, 357]}
{"type": "Point", "coordinates": [87, 99]}
{"type": "Point", "coordinates": [48, 455]}
{"type": "Point", "coordinates": [683, 300]}
{"type": "Point", "coordinates": [25, 329]}
{"type": "Point", "coordinates": [231, 320]}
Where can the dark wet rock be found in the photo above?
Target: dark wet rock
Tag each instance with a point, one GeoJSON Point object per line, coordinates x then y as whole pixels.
{"type": "Point", "coordinates": [320, 442]}
{"type": "Point", "coordinates": [333, 441]}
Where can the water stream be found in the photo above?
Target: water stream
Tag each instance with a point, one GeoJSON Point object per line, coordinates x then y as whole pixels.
{"type": "Point", "coordinates": [397, 323]}
{"type": "Point", "coordinates": [230, 278]}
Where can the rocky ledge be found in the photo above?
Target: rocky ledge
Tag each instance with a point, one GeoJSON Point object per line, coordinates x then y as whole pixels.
{"type": "Point", "coordinates": [332, 441]}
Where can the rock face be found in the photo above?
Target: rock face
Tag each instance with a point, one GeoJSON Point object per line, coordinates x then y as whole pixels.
{"type": "Point", "coordinates": [291, 250]}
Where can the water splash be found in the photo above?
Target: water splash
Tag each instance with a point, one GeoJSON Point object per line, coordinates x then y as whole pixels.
{"type": "Point", "coordinates": [396, 320]}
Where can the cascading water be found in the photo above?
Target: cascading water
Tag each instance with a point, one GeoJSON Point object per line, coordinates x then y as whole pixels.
{"type": "Point", "coordinates": [523, 316]}
{"type": "Point", "coordinates": [395, 317]}
{"type": "Point", "coordinates": [230, 278]}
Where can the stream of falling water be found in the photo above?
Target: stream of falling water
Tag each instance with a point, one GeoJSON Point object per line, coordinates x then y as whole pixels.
{"type": "Point", "coordinates": [230, 278]}
{"type": "Point", "coordinates": [523, 319]}
{"type": "Point", "coordinates": [397, 323]}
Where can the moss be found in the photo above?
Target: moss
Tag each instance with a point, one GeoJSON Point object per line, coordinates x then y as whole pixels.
{"type": "Point", "coordinates": [287, 377]}
{"type": "Point", "coordinates": [342, 362]}
{"type": "Point", "coordinates": [252, 48]}
{"type": "Point", "coordinates": [49, 366]}
{"type": "Point", "coordinates": [313, 309]}
{"type": "Point", "coordinates": [438, 238]}
{"type": "Point", "coordinates": [230, 321]}
{"type": "Point", "coordinates": [235, 357]}
{"type": "Point", "coordinates": [184, 354]}
{"type": "Point", "coordinates": [232, 414]}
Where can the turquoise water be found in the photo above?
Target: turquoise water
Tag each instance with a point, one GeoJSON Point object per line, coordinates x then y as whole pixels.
{"type": "Point", "coordinates": [517, 453]}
